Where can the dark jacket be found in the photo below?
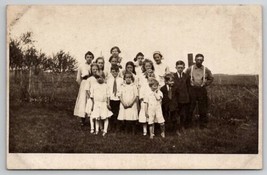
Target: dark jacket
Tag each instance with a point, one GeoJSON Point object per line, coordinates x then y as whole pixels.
{"type": "Point", "coordinates": [168, 104]}
{"type": "Point", "coordinates": [182, 85]}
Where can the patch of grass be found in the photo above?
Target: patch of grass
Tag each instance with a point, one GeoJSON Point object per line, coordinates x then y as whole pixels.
{"type": "Point", "coordinates": [38, 128]}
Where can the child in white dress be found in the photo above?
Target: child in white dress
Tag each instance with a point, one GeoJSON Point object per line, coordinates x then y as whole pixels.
{"type": "Point", "coordinates": [130, 67]}
{"type": "Point", "coordinates": [91, 81]}
{"type": "Point", "coordinates": [100, 103]}
{"type": "Point", "coordinates": [153, 109]}
{"type": "Point", "coordinates": [82, 76]}
{"type": "Point", "coordinates": [148, 71]}
{"type": "Point", "coordinates": [128, 97]}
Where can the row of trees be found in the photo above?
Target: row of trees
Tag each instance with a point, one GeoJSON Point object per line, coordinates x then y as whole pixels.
{"type": "Point", "coordinates": [23, 55]}
{"type": "Point", "coordinates": [28, 65]}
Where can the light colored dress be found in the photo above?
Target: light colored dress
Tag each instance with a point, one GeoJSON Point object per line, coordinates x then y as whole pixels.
{"type": "Point", "coordinates": [80, 105]}
{"type": "Point", "coordinates": [153, 100]}
{"type": "Point", "coordinates": [144, 88]}
{"type": "Point", "coordinates": [128, 93]}
{"type": "Point", "coordinates": [99, 92]}
{"type": "Point", "coordinates": [90, 81]}
{"type": "Point", "coordinates": [160, 71]}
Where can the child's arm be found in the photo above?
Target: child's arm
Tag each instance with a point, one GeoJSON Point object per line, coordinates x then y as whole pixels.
{"type": "Point", "coordinates": [78, 78]}
{"type": "Point", "coordinates": [146, 110]}
{"type": "Point", "coordinates": [87, 94]}
{"type": "Point", "coordinates": [92, 97]}
{"type": "Point", "coordinates": [108, 103]}
{"type": "Point", "coordinates": [145, 103]}
{"type": "Point", "coordinates": [93, 102]}
{"type": "Point", "coordinates": [108, 98]}
{"type": "Point", "coordinates": [158, 95]}
{"type": "Point", "coordinates": [134, 101]}
{"type": "Point", "coordinates": [122, 102]}
{"type": "Point", "coordinates": [87, 88]}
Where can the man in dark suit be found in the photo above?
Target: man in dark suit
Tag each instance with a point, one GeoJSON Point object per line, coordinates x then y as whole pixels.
{"type": "Point", "coordinates": [182, 82]}
{"type": "Point", "coordinates": [170, 104]}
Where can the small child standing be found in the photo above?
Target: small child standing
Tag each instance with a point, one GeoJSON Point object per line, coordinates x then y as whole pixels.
{"type": "Point", "coordinates": [153, 107]}
{"type": "Point", "coordinates": [170, 103]}
{"type": "Point", "coordinates": [91, 81]}
{"type": "Point", "coordinates": [114, 83]}
{"type": "Point", "coordinates": [100, 103]}
{"type": "Point", "coordinates": [148, 71]}
{"type": "Point", "coordinates": [129, 97]}
{"type": "Point", "coordinates": [182, 81]}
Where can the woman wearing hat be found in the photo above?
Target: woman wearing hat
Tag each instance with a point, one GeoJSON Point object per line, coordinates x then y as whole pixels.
{"type": "Point", "coordinates": [160, 68]}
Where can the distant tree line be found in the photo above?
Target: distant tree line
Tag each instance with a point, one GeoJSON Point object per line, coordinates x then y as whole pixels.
{"type": "Point", "coordinates": [23, 55]}
{"type": "Point", "coordinates": [28, 65]}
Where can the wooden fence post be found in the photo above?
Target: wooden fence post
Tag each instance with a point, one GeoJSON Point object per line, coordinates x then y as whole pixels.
{"type": "Point", "coordinates": [190, 59]}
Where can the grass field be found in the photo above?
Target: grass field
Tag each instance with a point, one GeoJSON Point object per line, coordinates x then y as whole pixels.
{"type": "Point", "coordinates": [52, 128]}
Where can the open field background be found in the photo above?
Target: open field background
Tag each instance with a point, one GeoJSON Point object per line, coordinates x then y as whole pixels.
{"type": "Point", "coordinates": [41, 120]}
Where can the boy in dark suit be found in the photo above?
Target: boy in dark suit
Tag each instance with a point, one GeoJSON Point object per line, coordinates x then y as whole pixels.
{"type": "Point", "coordinates": [170, 103]}
{"type": "Point", "coordinates": [182, 82]}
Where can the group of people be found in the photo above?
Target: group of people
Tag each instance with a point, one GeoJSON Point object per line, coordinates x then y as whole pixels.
{"type": "Point", "coordinates": [143, 91]}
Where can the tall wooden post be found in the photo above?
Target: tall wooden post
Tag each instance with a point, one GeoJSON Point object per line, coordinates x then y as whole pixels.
{"type": "Point", "coordinates": [190, 59]}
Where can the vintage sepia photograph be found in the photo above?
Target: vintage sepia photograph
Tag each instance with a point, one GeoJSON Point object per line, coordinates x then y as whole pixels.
{"type": "Point", "coordinates": [134, 86]}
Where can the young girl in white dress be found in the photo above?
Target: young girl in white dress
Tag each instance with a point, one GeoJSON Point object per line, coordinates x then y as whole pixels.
{"type": "Point", "coordinates": [100, 103]}
{"type": "Point", "coordinates": [130, 67]}
{"type": "Point", "coordinates": [91, 81]}
{"type": "Point", "coordinates": [82, 75]}
{"type": "Point", "coordinates": [161, 69]}
{"type": "Point", "coordinates": [148, 71]}
{"type": "Point", "coordinates": [153, 110]}
{"type": "Point", "coordinates": [128, 97]}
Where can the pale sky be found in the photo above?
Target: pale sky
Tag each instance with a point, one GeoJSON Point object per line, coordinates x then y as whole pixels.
{"type": "Point", "coordinates": [230, 37]}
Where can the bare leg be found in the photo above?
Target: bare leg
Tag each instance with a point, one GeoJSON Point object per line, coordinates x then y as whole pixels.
{"type": "Point", "coordinates": [92, 125]}
{"type": "Point", "coordinates": [144, 129]}
{"type": "Point", "coordinates": [101, 125]}
{"type": "Point", "coordinates": [162, 128]}
{"type": "Point", "coordinates": [151, 130]}
{"type": "Point", "coordinates": [97, 126]}
{"type": "Point", "coordinates": [105, 126]}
